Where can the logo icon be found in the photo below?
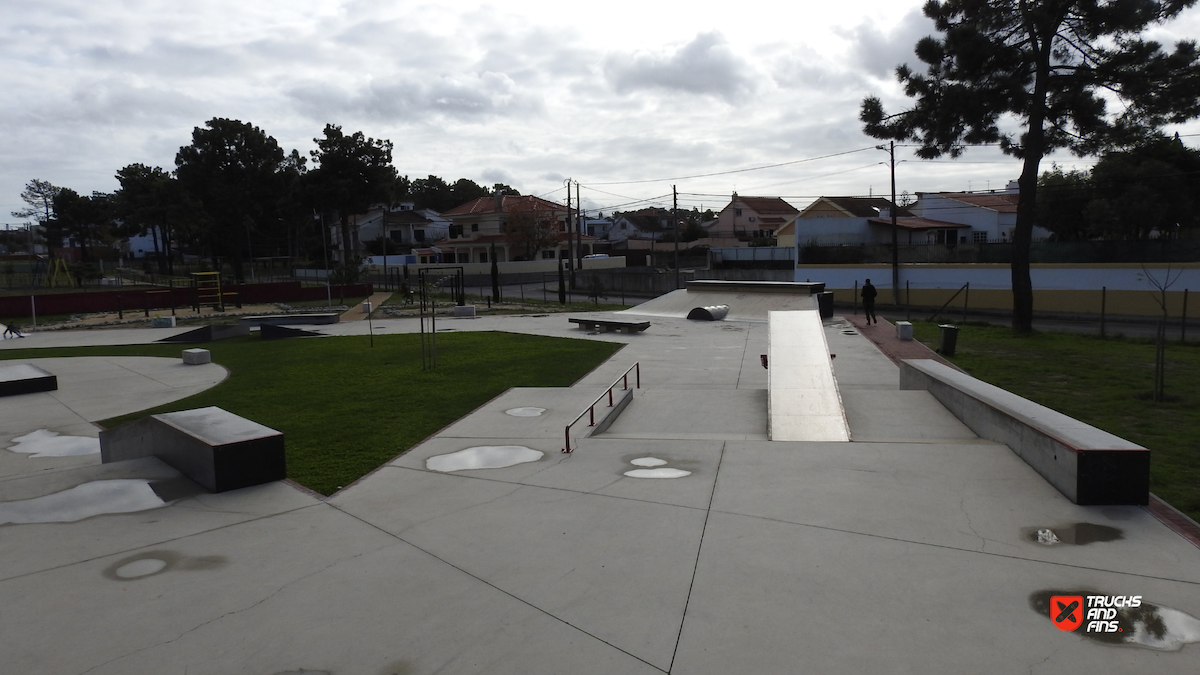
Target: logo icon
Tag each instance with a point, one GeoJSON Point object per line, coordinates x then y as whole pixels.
{"type": "Point", "coordinates": [1066, 611]}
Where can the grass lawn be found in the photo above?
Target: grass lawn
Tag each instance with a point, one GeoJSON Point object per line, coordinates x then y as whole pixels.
{"type": "Point", "coordinates": [346, 407]}
{"type": "Point", "coordinates": [1106, 383]}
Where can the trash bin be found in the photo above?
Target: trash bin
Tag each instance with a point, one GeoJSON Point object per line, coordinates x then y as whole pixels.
{"type": "Point", "coordinates": [949, 339]}
{"type": "Point", "coordinates": [825, 304]}
{"type": "Point", "coordinates": [367, 307]}
{"type": "Point", "coordinates": [904, 330]}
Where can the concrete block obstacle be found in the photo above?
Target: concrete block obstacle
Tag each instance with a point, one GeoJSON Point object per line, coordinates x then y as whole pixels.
{"type": "Point", "coordinates": [1087, 465]}
{"type": "Point", "coordinates": [464, 310]}
{"type": "Point", "coordinates": [315, 319]}
{"type": "Point", "coordinates": [210, 333]}
{"type": "Point", "coordinates": [803, 402]}
{"type": "Point", "coordinates": [904, 330]}
{"type": "Point", "coordinates": [196, 357]}
{"type": "Point", "coordinates": [605, 325]}
{"type": "Point", "coordinates": [217, 449]}
{"type": "Point", "coordinates": [25, 378]}
{"type": "Point", "coordinates": [710, 313]}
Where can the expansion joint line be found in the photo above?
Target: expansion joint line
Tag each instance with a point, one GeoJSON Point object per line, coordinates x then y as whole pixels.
{"type": "Point", "coordinates": [700, 547]}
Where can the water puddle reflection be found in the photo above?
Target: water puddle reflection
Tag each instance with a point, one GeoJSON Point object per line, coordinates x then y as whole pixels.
{"type": "Point", "coordinates": [46, 443]}
{"type": "Point", "coordinates": [483, 457]}
{"type": "Point", "coordinates": [658, 473]}
{"type": "Point", "coordinates": [648, 461]}
{"type": "Point", "coordinates": [1077, 534]}
{"type": "Point", "coordinates": [525, 412]}
{"type": "Point", "coordinates": [141, 568]}
{"type": "Point", "coordinates": [1149, 626]}
{"type": "Point", "coordinates": [124, 495]}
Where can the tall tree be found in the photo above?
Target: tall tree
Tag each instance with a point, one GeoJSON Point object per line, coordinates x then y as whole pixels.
{"type": "Point", "coordinates": [1063, 203]}
{"type": "Point", "coordinates": [151, 202]}
{"type": "Point", "coordinates": [353, 173]}
{"type": "Point", "coordinates": [1045, 67]}
{"type": "Point", "coordinates": [1147, 191]}
{"type": "Point", "coordinates": [233, 169]}
{"type": "Point", "coordinates": [86, 220]}
{"type": "Point", "coordinates": [39, 196]}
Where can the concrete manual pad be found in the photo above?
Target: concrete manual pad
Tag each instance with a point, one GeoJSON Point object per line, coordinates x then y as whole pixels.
{"type": "Point", "coordinates": [677, 413]}
{"type": "Point", "coordinates": [24, 378]}
{"type": "Point", "coordinates": [803, 401]}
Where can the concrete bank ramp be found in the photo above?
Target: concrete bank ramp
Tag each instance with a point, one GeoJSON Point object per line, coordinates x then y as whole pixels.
{"type": "Point", "coordinates": [803, 403]}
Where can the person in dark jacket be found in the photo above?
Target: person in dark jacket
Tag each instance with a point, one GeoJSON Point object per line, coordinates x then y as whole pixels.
{"type": "Point", "coordinates": [868, 298]}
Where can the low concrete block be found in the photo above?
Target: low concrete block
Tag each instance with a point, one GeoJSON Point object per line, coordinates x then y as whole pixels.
{"type": "Point", "coordinates": [162, 322]}
{"type": "Point", "coordinates": [211, 446]}
{"type": "Point", "coordinates": [25, 378]}
{"type": "Point", "coordinates": [1087, 465]}
{"type": "Point", "coordinates": [904, 330]}
{"type": "Point", "coordinates": [196, 357]}
{"type": "Point", "coordinates": [465, 310]}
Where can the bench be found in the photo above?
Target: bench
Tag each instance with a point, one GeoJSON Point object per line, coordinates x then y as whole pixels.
{"type": "Point", "coordinates": [605, 325]}
{"type": "Point", "coordinates": [211, 446]}
{"type": "Point", "coordinates": [1087, 465]}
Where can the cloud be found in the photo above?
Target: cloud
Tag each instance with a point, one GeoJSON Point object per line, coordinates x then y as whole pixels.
{"type": "Point", "coordinates": [704, 66]}
{"type": "Point", "coordinates": [881, 51]}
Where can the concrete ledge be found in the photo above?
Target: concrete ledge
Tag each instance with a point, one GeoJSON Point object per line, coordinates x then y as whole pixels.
{"type": "Point", "coordinates": [605, 325]}
{"type": "Point", "coordinates": [464, 310]}
{"type": "Point", "coordinates": [791, 287]}
{"type": "Point", "coordinates": [197, 357]}
{"type": "Point", "coordinates": [209, 334]}
{"type": "Point", "coordinates": [1087, 465]}
{"type": "Point", "coordinates": [803, 402]}
{"type": "Point", "coordinates": [611, 414]}
{"type": "Point", "coordinates": [25, 378]}
{"type": "Point", "coordinates": [213, 447]}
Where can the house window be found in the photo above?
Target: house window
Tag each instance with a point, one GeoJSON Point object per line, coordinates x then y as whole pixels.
{"type": "Point", "coordinates": [397, 236]}
{"type": "Point", "coordinates": [456, 231]}
{"type": "Point", "coordinates": [737, 212]}
{"type": "Point", "coordinates": [474, 227]}
{"type": "Point", "coordinates": [548, 255]}
{"type": "Point", "coordinates": [752, 219]}
{"type": "Point", "coordinates": [979, 237]}
{"type": "Point", "coordinates": [418, 235]}
{"type": "Point", "coordinates": [483, 256]}
{"type": "Point", "coordinates": [622, 225]}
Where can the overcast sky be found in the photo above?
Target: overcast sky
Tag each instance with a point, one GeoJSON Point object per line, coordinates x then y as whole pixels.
{"type": "Point", "coordinates": [628, 97]}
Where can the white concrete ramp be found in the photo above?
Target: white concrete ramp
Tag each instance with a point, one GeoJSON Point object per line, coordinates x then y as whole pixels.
{"type": "Point", "coordinates": [803, 403]}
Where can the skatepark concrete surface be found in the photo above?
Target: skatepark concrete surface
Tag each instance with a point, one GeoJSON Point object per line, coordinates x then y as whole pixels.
{"type": "Point", "coordinates": [911, 548]}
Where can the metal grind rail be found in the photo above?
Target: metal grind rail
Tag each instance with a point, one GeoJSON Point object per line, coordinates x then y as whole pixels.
{"type": "Point", "coordinates": [623, 380]}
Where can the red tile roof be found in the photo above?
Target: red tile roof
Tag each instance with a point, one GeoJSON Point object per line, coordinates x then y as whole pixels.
{"type": "Point", "coordinates": [765, 205]}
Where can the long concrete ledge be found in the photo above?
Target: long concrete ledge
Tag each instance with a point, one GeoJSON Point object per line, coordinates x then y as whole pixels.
{"type": "Point", "coordinates": [25, 378]}
{"type": "Point", "coordinates": [318, 319]}
{"type": "Point", "coordinates": [791, 287]}
{"type": "Point", "coordinates": [213, 447]}
{"type": "Point", "coordinates": [1088, 465]}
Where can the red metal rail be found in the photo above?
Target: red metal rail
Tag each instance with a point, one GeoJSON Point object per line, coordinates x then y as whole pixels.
{"type": "Point", "coordinates": [636, 368]}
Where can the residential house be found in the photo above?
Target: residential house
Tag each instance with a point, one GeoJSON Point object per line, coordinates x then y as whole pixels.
{"type": "Point", "coordinates": [991, 216]}
{"type": "Point", "coordinates": [746, 219]}
{"type": "Point", "coordinates": [646, 224]}
{"type": "Point", "coordinates": [403, 225]}
{"type": "Point", "coordinates": [480, 225]}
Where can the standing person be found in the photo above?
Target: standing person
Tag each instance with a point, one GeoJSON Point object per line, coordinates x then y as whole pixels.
{"type": "Point", "coordinates": [868, 298]}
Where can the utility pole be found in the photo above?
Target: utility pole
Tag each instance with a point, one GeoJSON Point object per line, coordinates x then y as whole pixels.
{"type": "Point", "coordinates": [891, 150]}
{"type": "Point", "coordinates": [570, 257]}
{"type": "Point", "coordinates": [675, 229]}
{"type": "Point", "coordinates": [579, 226]}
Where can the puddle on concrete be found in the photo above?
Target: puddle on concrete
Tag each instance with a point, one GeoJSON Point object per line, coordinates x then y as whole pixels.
{"type": "Point", "coordinates": [658, 473]}
{"type": "Point", "coordinates": [525, 412]}
{"type": "Point", "coordinates": [1078, 534]}
{"type": "Point", "coordinates": [849, 332]}
{"type": "Point", "coordinates": [124, 495]}
{"type": "Point", "coordinates": [46, 443]}
{"type": "Point", "coordinates": [648, 461]}
{"type": "Point", "coordinates": [1149, 626]}
{"type": "Point", "coordinates": [484, 457]}
{"type": "Point", "coordinates": [149, 563]}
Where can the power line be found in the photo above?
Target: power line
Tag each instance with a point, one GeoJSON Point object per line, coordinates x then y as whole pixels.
{"type": "Point", "coordinates": [732, 171]}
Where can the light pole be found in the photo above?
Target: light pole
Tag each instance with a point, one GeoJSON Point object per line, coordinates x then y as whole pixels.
{"type": "Point", "coordinates": [891, 150]}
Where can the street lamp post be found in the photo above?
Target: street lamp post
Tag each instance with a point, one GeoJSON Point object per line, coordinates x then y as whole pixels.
{"type": "Point", "coordinates": [891, 150]}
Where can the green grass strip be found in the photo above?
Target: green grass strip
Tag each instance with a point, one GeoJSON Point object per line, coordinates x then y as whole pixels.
{"type": "Point", "coordinates": [344, 407]}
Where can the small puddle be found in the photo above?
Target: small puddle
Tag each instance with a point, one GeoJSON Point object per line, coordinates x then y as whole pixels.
{"type": "Point", "coordinates": [1078, 534]}
{"type": "Point", "coordinates": [46, 443]}
{"type": "Point", "coordinates": [483, 457]}
{"type": "Point", "coordinates": [658, 473]}
{"type": "Point", "coordinates": [124, 495]}
{"type": "Point", "coordinates": [1149, 626]}
{"type": "Point", "coordinates": [648, 461]}
{"type": "Point", "coordinates": [525, 412]}
{"type": "Point", "coordinates": [140, 568]}
{"type": "Point", "coordinates": [150, 563]}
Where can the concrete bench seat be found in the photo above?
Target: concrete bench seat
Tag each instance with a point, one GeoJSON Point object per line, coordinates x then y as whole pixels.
{"type": "Point", "coordinates": [211, 446]}
{"type": "Point", "coordinates": [605, 325]}
{"type": "Point", "coordinates": [1087, 465]}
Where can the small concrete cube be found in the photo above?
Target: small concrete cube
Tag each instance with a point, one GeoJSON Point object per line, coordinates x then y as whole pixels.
{"type": "Point", "coordinates": [162, 322]}
{"type": "Point", "coordinates": [465, 310]}
{"type": "Point", "coordinates": [904, 330]}
{"type": "Point", "coordinates": [196, 357]}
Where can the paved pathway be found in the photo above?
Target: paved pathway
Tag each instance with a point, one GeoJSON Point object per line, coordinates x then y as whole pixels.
{"type": "Point", "coordinates": [910, 549]}
{"type": "Point", "coordinates": [356, 313]}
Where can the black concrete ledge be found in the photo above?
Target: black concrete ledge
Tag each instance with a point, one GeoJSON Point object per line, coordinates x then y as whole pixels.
{"type": "Point", "coordinates": [24, 378]}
